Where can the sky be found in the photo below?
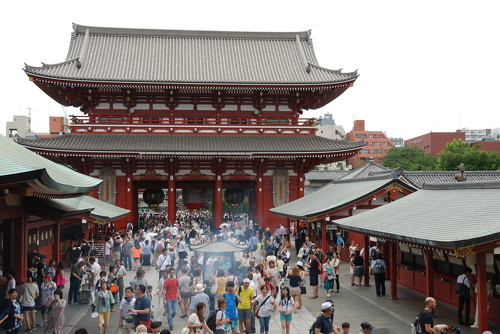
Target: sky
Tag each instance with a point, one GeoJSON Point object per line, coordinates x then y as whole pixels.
{"type": "Point", "coordinates": [424, 65]}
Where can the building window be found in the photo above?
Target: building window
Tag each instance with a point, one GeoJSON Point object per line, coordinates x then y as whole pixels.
{"type": "Point", "coordinates": [361, 135]}
{"type": "Point", "coordinates": [385, 143]}
{"type": "Point", "coordinates": [374, 136]}
{"type": "Point", "coordinates": [365, 151]}
{"type": "Point", "coordinates": [377, 151]}
{"type": "Point", "coordinates": [376, 143]}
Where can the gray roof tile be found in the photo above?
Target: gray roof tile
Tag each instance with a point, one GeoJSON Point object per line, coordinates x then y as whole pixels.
{"type": "Point", "coordinates": [452, 215]}
{"type": "Point", "coordinates": [191, 144]}
{"type": "Point", "coordinates": [170, 56]}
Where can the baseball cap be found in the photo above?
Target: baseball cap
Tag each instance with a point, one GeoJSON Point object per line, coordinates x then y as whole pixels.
{"type": "Point", "coordinates": [366, 325]}
{"type": "Point", "coordinates": [326, 306]}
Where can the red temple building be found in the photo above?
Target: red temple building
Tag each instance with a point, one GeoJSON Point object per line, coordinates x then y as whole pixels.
{"type": "Point", "coordinates": [216, 114]}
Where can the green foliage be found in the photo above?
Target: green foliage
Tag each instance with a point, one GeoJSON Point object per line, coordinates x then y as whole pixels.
{"type": "Point", "coordinates": [409, 158]}
{"type": "Point", "coordinates": [458, 152]}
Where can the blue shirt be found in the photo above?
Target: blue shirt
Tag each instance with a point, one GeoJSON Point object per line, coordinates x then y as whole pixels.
{"type": "Point", "coordinates": [340, 240]}
{"type": "Point", "coordinates": [294, 281]}
{"type": "Point", "coordinates": [324, 324]}
{"type": "Point", "coordinates": [142, 304]}
{"type": "Point", "coordinates": [231, 311]}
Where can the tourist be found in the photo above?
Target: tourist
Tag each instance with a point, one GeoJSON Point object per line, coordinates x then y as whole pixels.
{"type": "Point", "coordinates": [366, 328]}
{"type": "Point", "coordinates": [51, 268]}
{"type": "Point", "coordinates": [117, 246]}
{"type": "Point", "coordinates": [104, 300]}
{"type": "Point", "coordinates": [378, 269]}
{"type": "Point", "coordinates": [464, 296]}
{"type": "Point", "coordinates": [295, 281]}
{"type": "Point", "coordinates": [127, 253]}
{"type": "Point", "coordinates": [171, 296]}
{"type": "Point", "coordinates": [29, 293]}
{"type": "Point", "coordinates": [329, 276]}
{"type": "Point", "coordinates": [127, 320]}
{"type": "Point", "coordinates": [139, 279]}
{"type": "Point", "coordinates": [220, 280]}
{"type": "Point", "coordinates": [323, 323]}
{"type": "Point", "coordinates": [75, 281]}
{"type": "Point", "coordinates": [314, 271]}
{"type": "Point", "coordinates": [265, 305]}
{"type": "Point", "coordinates": [120, 273]}
{"type": "Point", "coordinates": [221, 321]}
{"type": "Point", "coordinates": [142, 306]}
{"type": "Point", "coordinates": [136, 254]}
{"type": "Point", "coordinates": [47, 289]}
{"type": "Point", "coordinates": [61, 277]}
{"type": "Point", "coordinates": [155, 327]}
{"type": "Point", "coordinates": [199, 297]}
{"type": "Point", "coordinates": [11, 316]}
{"type": "Point", "coordinates": [303, 252]}
{"type": "Point", "coordinates": [185, 292]}
{"type": "Point", "coordinates": [246, 294]}
{"type": "Point", "coordinates": [112, 278]}
{"type": "Point", "coordinates": [141, 329]}
{"type": "Point", "coordinates": [11, 284]}
{"type": "Point", "coordinates": [146, 251]}
{"type": "Point", "coordinates": [346, 328]}
{"type": "Point", "coordinates": [274, 275]}
{"type": "Point", "coordinates": [95, 270]}
{"type": "Point", "coordinates": [339, 242]}
{"type": "Point", "coordinates": [196, 321]}
{"type": "Point", "coordinates": [358, 264]}
{"type": "Point", "coordinates": [425, 317]}
{"type": "Point", "coordinates": [164, 261]}
{"type": "Point", "coordinates": [108, 245]}
{"type": "Point", "coordinates": [336, 270]}
{"type": "Point", "coordinates": [286, 307]}
{"type": "Point", "coordinates": [231, 310]}
{"type": "Point", "coordinates": [55, 320]}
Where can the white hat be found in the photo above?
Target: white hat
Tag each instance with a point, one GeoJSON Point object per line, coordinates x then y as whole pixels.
{"type": "Point", "coordinates": [246, 280]}
{"type": "Point", "coordinates": [199, 288]}
{"type": "Point", "coordinates": [300, 264]}
{"type": "Point", "coordinates": [326, 306]}
{"type": "Point", "coordinates": [141, 329]}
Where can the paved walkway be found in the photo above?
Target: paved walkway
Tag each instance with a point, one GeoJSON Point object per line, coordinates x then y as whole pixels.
{"type": "Point", "coordinates": [352, 304]}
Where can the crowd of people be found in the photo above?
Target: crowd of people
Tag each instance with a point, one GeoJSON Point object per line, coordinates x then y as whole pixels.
{"type": "Point", "coordinates": [220, 294]}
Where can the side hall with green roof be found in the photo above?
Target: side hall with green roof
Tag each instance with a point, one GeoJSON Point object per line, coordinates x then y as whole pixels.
{"type": "Point", "coordinates": [42, 205]}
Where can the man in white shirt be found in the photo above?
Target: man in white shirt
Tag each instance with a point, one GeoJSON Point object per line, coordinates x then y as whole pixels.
{"type": "Point", "coordinates": [95, 270]}
{"type": "Point", "coordinates": [127, 320]}
{"type": "Point", "coordinates": [464, 296]}
{"type": "Point", "coordinates": [163, 261]}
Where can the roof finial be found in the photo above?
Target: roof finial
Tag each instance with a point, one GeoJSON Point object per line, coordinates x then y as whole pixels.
{"type": "Point", "coordinates": [461, 176]}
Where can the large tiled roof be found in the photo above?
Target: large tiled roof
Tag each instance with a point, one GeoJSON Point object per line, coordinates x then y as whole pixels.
{"type": "Point", "coordinates": [446, 215]}
{"type": "Point", "coordinates": [18, 164]}
{"type": "Point", "coordinates": [323, 175]}
{"type": "Point", "coordinates": [191, 144]}
{"type": "Point", "coordinates": [175, 56]}
{"type": "Point", "coordinates": [365, 171]}
{"type": "Point", "coordinates": [333, 196]}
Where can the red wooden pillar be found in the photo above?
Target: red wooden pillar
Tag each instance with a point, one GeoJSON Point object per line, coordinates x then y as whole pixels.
{"type": "Point", "coordinates": [394, 269]}
{"type": "Point", "coordinates": [172, 203]}
{"type": "Point", "coordinates": [300, 184]}
{"type": "Point", "coordinates": [56, 248]}
{"type": "Point", "coordinates": [217, 202]}
{"type": "Point", "coordinates": [324, 245]}
{"type": "Point", "coordinates": [20, 264]}
{"type": "Point", "coordinates": [366, 258]}
{"type": "Point", "coordinates": [429, 273]}
{"type": "Point", "coordinates": [260, 198]}
{"type": "Point", "coordinates": [129, 195]}
{"type": "Point", "coordinates": [482, 293]}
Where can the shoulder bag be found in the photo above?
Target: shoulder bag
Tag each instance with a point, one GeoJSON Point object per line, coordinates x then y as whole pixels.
{"type": "Point", "coordinates": [258, 309]}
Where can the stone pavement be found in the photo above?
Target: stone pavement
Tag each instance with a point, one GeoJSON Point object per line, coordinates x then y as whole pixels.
{"type": "Point", "coordinates": [352, 304]}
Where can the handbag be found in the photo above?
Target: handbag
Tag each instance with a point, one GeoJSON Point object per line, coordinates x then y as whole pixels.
{"type": "Point", "coordinates": [460, 289]}
{"type": "Point", "coordinates": [303, 290]}
{"type": "Point", "coordinates": [258, 309]}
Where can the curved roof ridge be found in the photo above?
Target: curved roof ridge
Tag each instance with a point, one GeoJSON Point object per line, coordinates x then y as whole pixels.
{"type": "Point", "coordinates": [80, 29]}
{"type": "Point", "coordinates": [461, 185]}
{"type": "Point", "coordinates": [30, 68]}
{"type": "Point", "coordinates": [339, 71]}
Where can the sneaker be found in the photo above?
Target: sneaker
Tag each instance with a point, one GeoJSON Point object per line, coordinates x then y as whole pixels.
{"type": "Point", "coordinates": [328, 295]}
{"type": "Point", "coordinates": [41, 324]}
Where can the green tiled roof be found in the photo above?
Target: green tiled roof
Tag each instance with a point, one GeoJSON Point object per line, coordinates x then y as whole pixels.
{"type": "Point", "coordinates": [446, 215]}
{"type": "Point", "coordinates": [18, 164]}
{"type": "Point", "coordinates": [333, 196]}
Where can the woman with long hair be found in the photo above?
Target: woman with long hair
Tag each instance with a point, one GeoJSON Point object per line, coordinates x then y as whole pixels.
{"type": "Point", "coordinates": [329, 276]}
{"type": "Point", "coordinates": [136, 254]}
{"type": "Point", "coordinates": [336, 271]}
{"type": "Point", "coordinates": [196, 321]}
{"type": "Point", "coordinates": [295, 283]}
{"type": "Point", "coordinates": [29, 293]}
{"type": "Point", "coordinates": [104, 300]}
{"type": "Point", "coordinates": [265, 305]}
{"type": "Point", "coordinates": [51, 269]}
{"type": "Point", "coordinates": [61, 277]}
{"type": "Point", "coordinates": [273, 274]}
{"type": "Point", "coordinates": [47, 290]}
{"type": "Point", "coordinates": [286, 307]}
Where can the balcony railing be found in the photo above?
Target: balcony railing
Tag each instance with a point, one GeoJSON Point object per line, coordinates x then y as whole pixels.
{"type": "Point", "coordinates": [213, 124]}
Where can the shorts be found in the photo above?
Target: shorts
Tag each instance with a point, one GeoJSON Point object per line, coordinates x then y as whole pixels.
{"type": "Point", "coordinates": [359, 271]}
{"type": "Point", "coordinates": [295, 291]}
{"type": "Point", "coordinates": [284, 317]}
{"type": "Point", "coordinates": [28, 308]}
{"type": "Point", "coordinates": [233, 325]}
{"type": "Point", "coordinates": [185, 294]}
{"type": "Point", "coordinates": [244, 314]}
{"type": "Point", "coordinates": [313, 280]}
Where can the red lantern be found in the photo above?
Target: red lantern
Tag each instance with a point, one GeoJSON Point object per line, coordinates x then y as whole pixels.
{"type": "Point", "coordinates": [194, 199]}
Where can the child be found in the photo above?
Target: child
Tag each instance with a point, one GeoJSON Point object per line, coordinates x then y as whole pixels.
{"type": "Point", "coordinates": [346, 328]}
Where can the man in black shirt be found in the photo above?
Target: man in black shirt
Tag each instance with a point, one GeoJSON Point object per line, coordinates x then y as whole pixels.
{"type": "Point", "coordinates": [323, 324]}
{"type": "Point", "coordinates": [314, 271]}
{"type": "Point", "coordinates": [426, 320]}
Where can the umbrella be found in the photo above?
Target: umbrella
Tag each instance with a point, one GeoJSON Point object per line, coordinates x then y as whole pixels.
{"type": "Point", "coordinates": [282, 231]}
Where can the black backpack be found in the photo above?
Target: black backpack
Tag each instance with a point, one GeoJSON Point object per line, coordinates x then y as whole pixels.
{"type": "Point", "coordinates": [211, 320]}
{"type": "Point", "coordinates": [416, 327]}
{"type": "Point", "coordinates": [312, 330]}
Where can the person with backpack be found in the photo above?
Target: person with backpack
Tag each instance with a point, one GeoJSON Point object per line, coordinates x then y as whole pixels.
{"type": "Point", "coordinates": [221, 323]}
{"type": "Point", "coordinates": [378, 269]}
{"type": "Point", "coordinates": [425, 321]}
{"type": "Point", "coordinates": [323, 323]}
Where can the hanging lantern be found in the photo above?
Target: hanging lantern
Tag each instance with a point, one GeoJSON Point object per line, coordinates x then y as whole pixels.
{"type": "Point", "coordinates": [194, 199]}
{"type": "Point", "coordinates": [153, 197]}
{"type": "Point", "coordinates": [234, 197]}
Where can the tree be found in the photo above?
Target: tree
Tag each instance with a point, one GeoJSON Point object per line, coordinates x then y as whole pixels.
{"type": "Point", "coordinates": [409, 158]}
{"type": "Point", "coordinates": [458, 152]}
